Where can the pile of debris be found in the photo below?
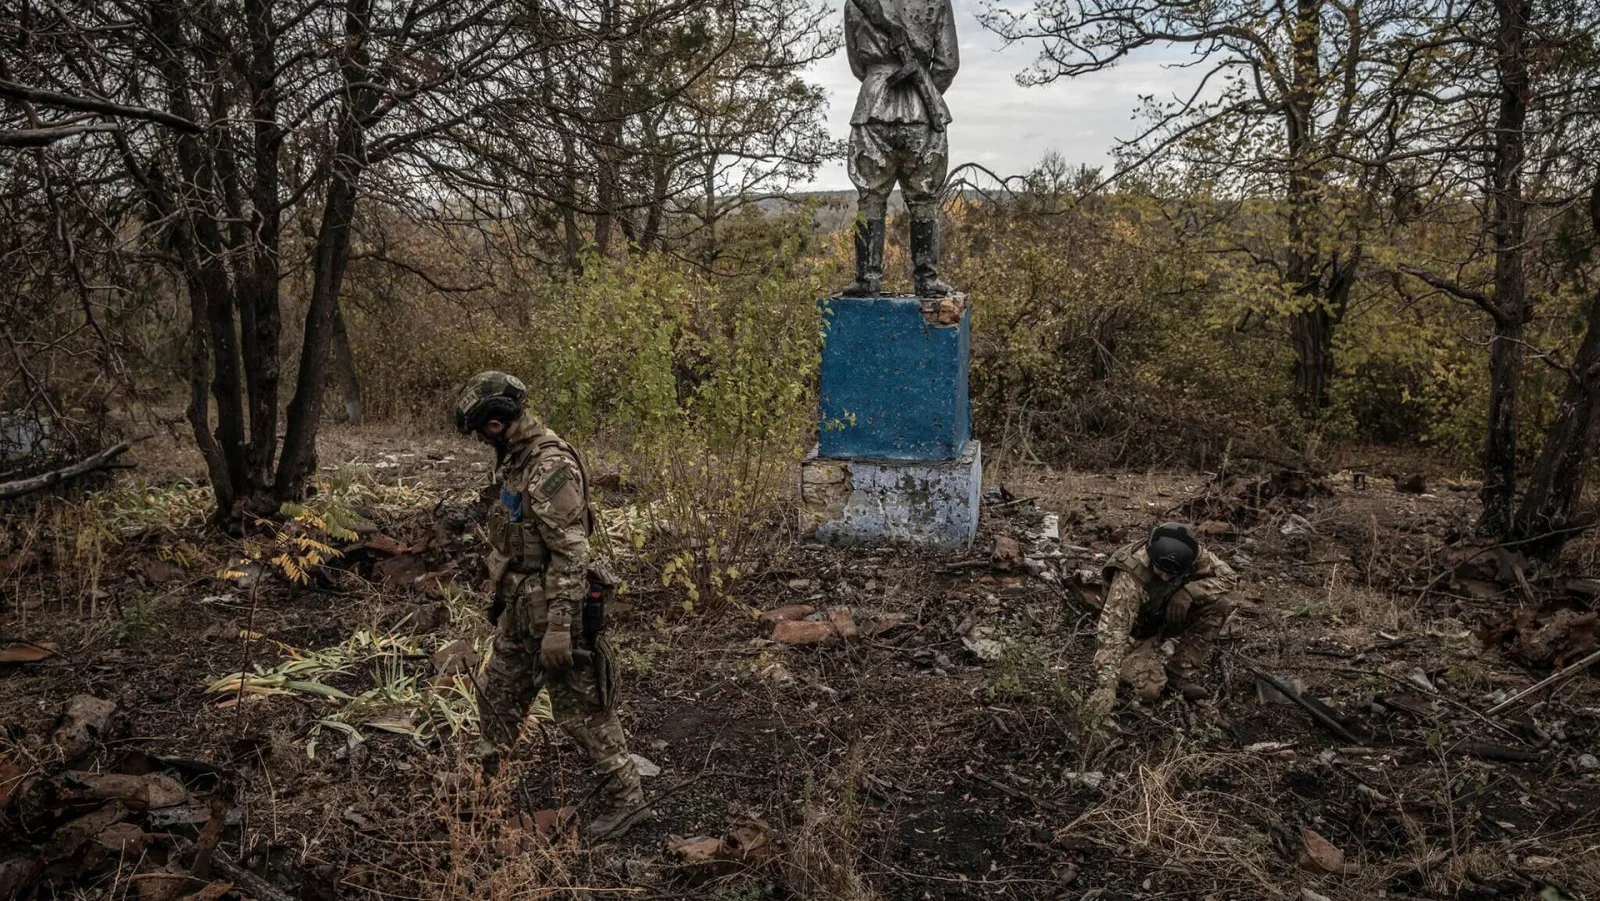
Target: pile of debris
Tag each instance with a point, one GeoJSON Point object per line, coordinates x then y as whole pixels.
{"type": "Point", "coordinates": [68, 820]}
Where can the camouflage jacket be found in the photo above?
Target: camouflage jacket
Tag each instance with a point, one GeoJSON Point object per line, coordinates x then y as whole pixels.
{"type": "Point", "coordinates": [542, 523]}
{"type": "Point", "coordinates": [1137, 600]}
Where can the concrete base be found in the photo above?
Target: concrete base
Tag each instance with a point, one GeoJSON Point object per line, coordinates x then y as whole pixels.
{"type": "Point", "coordinates": [927, 503]}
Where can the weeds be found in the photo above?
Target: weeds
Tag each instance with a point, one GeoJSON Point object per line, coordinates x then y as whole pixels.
{"type": "Point", "coordinates": [397, 699]}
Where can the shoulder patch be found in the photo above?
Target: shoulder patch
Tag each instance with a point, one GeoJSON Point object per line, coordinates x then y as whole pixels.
{"type": "Point", "coordinates": [554, 481]}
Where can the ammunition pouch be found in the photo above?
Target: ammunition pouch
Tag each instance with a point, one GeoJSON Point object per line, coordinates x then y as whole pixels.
{"type": "Point", "coordinates": [517, 544]}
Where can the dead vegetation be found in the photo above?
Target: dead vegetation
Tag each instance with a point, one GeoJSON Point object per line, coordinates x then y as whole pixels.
{"type": "Point", "coordinates": [308, 733]}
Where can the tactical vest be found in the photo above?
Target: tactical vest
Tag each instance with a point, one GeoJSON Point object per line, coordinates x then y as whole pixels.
{"type": "Point", "coordinates": [1133, 562]}
{"type": "Point", "coordinates": [514, 539]}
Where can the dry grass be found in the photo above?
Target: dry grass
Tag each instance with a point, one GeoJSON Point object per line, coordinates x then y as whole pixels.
{"type": "Point", "coordinates": [1158, 814]}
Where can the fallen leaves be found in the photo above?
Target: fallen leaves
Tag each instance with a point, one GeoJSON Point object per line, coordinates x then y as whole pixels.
{"type": "Point", "coordinates": [27, 652]}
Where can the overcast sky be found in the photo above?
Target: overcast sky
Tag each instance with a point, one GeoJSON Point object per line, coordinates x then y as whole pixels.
{"type": "Point", "coordinates": [1005, 126]}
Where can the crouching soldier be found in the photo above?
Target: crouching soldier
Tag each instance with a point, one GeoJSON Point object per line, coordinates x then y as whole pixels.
{"type": "Point", "coordinates": [1158, 588]}
{"type": "Point", "coordinates": [548, 603]}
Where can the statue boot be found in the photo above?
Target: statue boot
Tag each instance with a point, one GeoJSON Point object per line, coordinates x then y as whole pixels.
{"type": "Point", "coordinates": [869, 259]}
{"type": "Point", "coordinates": [925, 259]}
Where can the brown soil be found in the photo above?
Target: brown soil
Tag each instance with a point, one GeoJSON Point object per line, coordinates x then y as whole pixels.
{"type": "Point", "coordinates": [897, 765]}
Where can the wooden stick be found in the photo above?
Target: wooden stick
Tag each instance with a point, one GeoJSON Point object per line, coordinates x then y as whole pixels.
{"type": "Point", "coordinates": [1555, 678]}
{"type": "Point", "coordinates": [20, 487]}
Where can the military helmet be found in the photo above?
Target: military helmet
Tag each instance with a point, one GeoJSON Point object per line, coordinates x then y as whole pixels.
{"type": "Point", "coordinates": [489, 395]}
{"type": "Point", "coordinates": [1173, 548]}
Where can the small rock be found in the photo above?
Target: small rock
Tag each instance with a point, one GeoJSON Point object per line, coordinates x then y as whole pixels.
{"type": "Point", "coordinates": [799, 584]}
{"type": "Point", "coordinates": [455, 658]}
{"type": "Point", "coordinates": [1319, 854]}
{"type": "Point", "coordinates": [1295, 525]}
{"type": "Point", "coordinates": [1051, 529]}
{"type": "Point", "coordinates": [1036, 568]}
{"type": "Point", "coordinates": [1215, 528]}
{"type": "Point", "coordinates": [1266, 694]}
{"type": "Point", "coordinates": [982, 646]}
{"type": "Point", "coordinates": [1090, 780]}
{"type": "Point", "coordinates": [1420, 679]}
{"type": "Point", "coordinates": [804, 632]}
{"type": "Point", "coordinates": [788, 611]}
{"type": "Point", "coordinates": [778, 675]}
{"type": "Point", "coordinates": [647, 769]}
{"type": "Point", "coordinates": [85, 722]}
{"type": "Point", "coordinates": [1588, 762]}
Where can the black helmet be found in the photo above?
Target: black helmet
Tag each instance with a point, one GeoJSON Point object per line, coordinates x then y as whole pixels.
{"type": "Point", "coordinates": [486, 396]}
{"type": "Point", "coordinates": [1173, 548]}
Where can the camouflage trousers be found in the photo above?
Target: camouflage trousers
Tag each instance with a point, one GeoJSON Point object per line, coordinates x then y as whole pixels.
{"type": "Point", "coordinates": [1144, 669]}
{"type": "Point", "coordinates": [583, 698]}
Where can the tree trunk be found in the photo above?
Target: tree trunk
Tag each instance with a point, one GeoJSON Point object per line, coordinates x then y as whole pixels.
{"type": "Point", "coordinates": [205, 255]}
{"type": "Point", "coordinates": [1556, 486]}
{"type": "Point", "coordinates": [330, 258]}
{"type": "Point", "coordinates": [1508, 228]}
{"type": "Point", "coordinates": [608, 180]}
{"type": "Point", "coordinates": [259, 318]}
{"type": "Point", "coordinates": [344, 364]}
{"type": "Point", "coordinates": [1311, 329]}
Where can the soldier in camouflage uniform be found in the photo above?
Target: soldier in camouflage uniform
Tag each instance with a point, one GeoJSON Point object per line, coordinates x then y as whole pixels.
{"type": "Point", "coordinates": [1159, 588]}
{"type": "Point", "coordinates": [548, 617]}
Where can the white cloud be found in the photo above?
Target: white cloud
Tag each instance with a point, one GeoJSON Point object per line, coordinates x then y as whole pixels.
{"type": "Point", "coordinates": [1005, 126]}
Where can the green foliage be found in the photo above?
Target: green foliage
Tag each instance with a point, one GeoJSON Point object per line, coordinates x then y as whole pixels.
{"type": "Point", "coordinates": [701, 385]}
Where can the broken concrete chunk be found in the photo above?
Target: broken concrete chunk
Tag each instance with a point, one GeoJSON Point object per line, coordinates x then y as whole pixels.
{"type": "Point", "coordinates": [1319, 854]}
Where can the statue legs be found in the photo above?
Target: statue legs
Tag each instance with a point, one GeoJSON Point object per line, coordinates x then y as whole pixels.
{"type": "Point", "coordinates": [914, 156]}
{"type": "Point", "coordinates": [869, 259]}
{"type": "Point", "coordinates": [925, 258]}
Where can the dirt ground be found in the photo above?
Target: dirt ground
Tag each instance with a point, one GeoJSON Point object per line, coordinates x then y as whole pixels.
{"type": "Point", "coordinates": [937, 754]}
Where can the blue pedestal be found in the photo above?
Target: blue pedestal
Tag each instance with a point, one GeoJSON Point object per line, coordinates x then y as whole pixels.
{"type": "Point", "coordinates": [894, 378]}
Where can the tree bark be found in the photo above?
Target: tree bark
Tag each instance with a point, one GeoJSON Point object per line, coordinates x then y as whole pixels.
{"type": "Point", "coordinates": [344, 362]}
{"type": "Point", "coordinates": [1311, 329]}
{"type": "Point", "coordinates": [259, 316]}
{"type": "Point", "coordinates": [330, 258]}
{"type": "Point", "coordinates": [1549, 508]}
{"type": "Point", "coordinates": [1508, 228]}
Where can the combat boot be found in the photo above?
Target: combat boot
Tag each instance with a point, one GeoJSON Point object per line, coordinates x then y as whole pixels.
{"type": "Point", "coordinates": [625, 804]}
{"type": "Point", "coordinates": [869, 259]}
{"type": "Point", "coordinates": [925, 259]}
